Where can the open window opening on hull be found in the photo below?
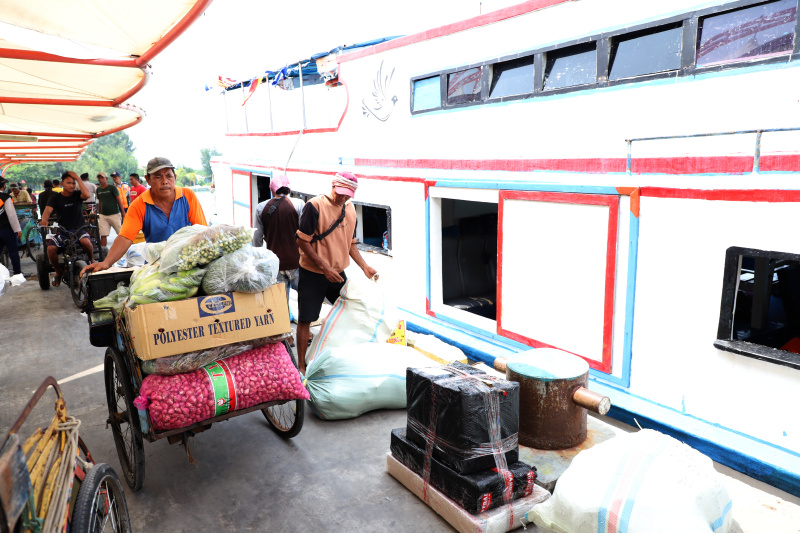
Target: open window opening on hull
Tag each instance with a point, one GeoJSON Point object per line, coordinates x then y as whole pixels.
{"type": "Point", "coordinates": [469, 256]}
{"type": "Point", "coordinates": [374, 224]}
{"type": "Point", "coordinates": [760, 311]}
{"type": "Point", "coordinates": [262, 189]}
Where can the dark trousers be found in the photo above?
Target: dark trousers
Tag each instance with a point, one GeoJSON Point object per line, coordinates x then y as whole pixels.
{"type": "Point", "coordinates": [8, 239]}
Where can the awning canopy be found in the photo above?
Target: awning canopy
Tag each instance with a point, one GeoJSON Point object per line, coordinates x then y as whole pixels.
{"type": "Point", "coordinates": [67, 68]}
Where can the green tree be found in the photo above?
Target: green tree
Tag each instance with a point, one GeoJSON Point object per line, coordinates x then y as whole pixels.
{"type": "Point", "coordinates": [205, 158]}
{"type": "Point", "coordinates": [109, 154]}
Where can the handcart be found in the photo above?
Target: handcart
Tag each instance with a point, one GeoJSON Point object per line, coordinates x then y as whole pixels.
{"type": "Point", "coordinates": [123, 381]}
{"type": "Point", "coordinates": [49, 481]}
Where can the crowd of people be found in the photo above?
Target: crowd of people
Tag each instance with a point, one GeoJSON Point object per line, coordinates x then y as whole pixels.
{"type": "Point", "coordinates": [314, 241]}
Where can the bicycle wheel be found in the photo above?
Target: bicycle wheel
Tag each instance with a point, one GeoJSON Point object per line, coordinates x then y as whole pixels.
{"type": "Point", "coordinates": [43, 271]}
{"type": "Point", "coordinates": [100, 505]}
{"type": "Point", "coordinates": [287, 418]}
{"type": "Point", "coordinates": [77, 286]}
{"type": "Point", "coordinates": [124, 419]}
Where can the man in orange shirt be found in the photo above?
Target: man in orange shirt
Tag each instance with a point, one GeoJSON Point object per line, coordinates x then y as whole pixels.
{"type": "Point", "coordinates": [159, 212]}
{"type": "Point", "coordinates": [121, 187]}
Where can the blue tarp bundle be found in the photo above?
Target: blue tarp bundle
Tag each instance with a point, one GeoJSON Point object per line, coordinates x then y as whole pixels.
{"type": "Point", "coordinates": [310, 71]}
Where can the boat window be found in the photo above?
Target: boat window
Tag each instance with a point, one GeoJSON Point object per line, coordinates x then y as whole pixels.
{"type": "Point", "coordinates": [646, 52]}
{"type": "Point", "coordinates": [760, 312]}
{"type": "Point", "coordinates": [748, 33]}
{"type": "Point", "coordinates": [512, 77]}
{"type": "Point", "coordinates": [464, 86]}
{"type": "Point", "coordinates": [576, 65]}
{"type": "Point", "coordinates": [469, 256]}
{"type": "Point", "coordinates": [427, 94]}
{"type": "Point", "coordinates": [373, 230]}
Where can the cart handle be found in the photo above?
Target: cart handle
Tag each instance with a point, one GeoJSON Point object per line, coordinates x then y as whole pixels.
{"type": "Point", "coordinates": [49, 381]}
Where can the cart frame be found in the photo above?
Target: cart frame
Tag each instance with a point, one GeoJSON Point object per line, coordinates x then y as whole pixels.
{"type": "Point", "coordinates": [123, 381]}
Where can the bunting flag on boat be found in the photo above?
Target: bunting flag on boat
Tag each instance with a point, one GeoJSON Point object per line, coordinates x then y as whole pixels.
{"type": "Point", "coordinates": [225, 82]}
{"type": "Point", "coordinates": [254, 83]}
{"type": "Point", "coordinates": [280, 75]}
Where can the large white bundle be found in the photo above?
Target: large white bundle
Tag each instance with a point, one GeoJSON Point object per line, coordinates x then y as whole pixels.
{"type": "Point", "coordinates": [348, 381]}
{"type": "Point", "coordinates": [644, 482]}
{"type": "Point", "coordinates": [362, 313]}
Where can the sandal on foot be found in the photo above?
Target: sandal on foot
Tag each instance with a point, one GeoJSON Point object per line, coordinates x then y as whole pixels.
{"type": "Point", "coordinates": [56, 281]}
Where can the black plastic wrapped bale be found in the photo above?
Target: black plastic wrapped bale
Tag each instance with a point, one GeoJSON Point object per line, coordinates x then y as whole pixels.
{"type": "Point", "coordinates": [452, 410]}
{"type": "Point", "coordinates": [476, 492]}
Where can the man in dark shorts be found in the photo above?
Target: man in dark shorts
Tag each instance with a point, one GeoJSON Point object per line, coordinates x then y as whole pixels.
{"type": "Point", "coordinates": [69, 206]}
{"type": "Point", "coordinates": [327, 241]}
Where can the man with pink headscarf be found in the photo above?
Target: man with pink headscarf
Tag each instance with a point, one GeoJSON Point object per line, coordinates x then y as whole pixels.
{"type": "Point", "coordinates": [277, 222]}
{"type": "Point", "coordinates": [327, 241]}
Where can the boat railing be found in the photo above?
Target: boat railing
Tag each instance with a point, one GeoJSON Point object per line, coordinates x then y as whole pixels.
{"type": "Point", "coordinates": [757, 150]}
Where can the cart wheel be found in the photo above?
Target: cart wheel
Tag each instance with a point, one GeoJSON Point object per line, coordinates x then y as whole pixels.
{"type": "Point", "coordinates": [124, 420]}
{"type": "Point", "coordinates": [43, 271]}
{"type": "Point", "coordinates": [100, 505]}
{"type": "Point", "coordinates": [78, 286]}
{"type": "Point", "coordinates": [287, 418]}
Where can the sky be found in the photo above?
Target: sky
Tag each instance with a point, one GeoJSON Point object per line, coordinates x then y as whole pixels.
{"type": "Point", "coordinates": [242, 38]}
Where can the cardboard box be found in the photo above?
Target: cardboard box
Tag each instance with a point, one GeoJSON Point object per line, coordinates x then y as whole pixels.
{"type": "Point", "coordinates": [170, 328]}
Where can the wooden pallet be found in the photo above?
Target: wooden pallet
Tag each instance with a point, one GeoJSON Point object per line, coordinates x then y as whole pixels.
{"type": "Point", "coordinates": [492, 521]}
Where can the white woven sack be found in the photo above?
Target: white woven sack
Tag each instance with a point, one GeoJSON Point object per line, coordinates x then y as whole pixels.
{"type": "Point", "coordinates": [362, 313]}
{"type": "Point", "coordinates": [644, 482]}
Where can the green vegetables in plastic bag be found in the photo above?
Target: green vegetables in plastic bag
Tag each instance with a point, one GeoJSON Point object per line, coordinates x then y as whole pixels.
{"type": "Point", "coordinates": [199, 245]}
{"type": "Point", "coordinates": [248, 269]}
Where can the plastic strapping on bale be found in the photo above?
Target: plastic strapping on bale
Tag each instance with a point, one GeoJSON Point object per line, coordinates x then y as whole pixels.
{"type": "Point", "coordinates": [496, 447]}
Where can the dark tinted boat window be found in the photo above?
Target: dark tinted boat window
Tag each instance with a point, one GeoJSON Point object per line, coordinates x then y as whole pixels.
{"type": "Point", "coordinates": [576, 65]}
{"type": "Point", "coordinates": [646, 53]}
{"type": "Point", "coordinates": [426, 94]}
{"type": "Point", "coordinates": [512, 77]}
{"type": "Point", "coordinates": [464, 86]}
{"type": "Point", "coordinates": [748, 33]}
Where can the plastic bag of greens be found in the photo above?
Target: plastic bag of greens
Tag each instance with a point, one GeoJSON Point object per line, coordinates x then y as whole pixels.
{"type": "Point", "coordinates": [199, 245]}
{"type": "Point", "coordinates": [150, 286]}
{"type": "Point", "coordinates": [188, 362]}
{"type": "Point", "coordinates": [115, 299]}
{"type": "Point", "coordinates": [245, 270]}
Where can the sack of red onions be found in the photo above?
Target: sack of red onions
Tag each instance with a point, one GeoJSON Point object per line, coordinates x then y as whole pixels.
{"type": "Point", "coordinates": [256, 376]}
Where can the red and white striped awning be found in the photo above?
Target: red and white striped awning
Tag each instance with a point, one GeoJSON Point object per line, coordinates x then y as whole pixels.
{"type": "Point", "coordinates": [67, 69]}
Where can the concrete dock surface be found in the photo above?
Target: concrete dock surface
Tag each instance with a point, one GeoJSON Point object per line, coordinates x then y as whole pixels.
{"type": "Point", "coordinates": [331, 477]}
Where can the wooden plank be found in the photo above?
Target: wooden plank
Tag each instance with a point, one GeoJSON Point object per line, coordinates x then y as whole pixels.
{"type": "Point", "coordinates": [493, 521]}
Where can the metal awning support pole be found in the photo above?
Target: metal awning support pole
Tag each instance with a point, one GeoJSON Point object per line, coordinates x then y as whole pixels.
{"type": "Point", "coordinates": [302, 93]}
{"type": "Point", "coordinates": [244, 98]}
{"type": "Point", "coordinates": [269, 97]}
{"type": "Point", "coordinates": [757, 156]}
{"type": "Point", "coordinates": [225, 105]}
{"type": "Point", "coordinates": [628, 161]}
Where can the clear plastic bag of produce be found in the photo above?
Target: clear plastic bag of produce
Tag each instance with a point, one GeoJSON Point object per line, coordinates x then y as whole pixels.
{"type": "Point", "coordinates": [188, 362]}
{"type": "Point", "coordinates": [152, 251]}
{"type": "Point", "coordinates": [115, 299]}
{"type": "Point", "coordinates": [261, 375]}
{"type": "Point", "coordinates": [245, 270]}
{"type": "Point", "coordinates": [199, 245]}
{"type": "Point", "coordinates": [148, 285]}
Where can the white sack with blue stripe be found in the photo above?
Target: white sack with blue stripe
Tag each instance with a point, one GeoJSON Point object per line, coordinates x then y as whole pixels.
{"type": "Point", "coordinates": [643, 482]}
{"type": "Point", "coordinates": [348, 381]}
{"type": "Point", "coordinates": [362, 313]}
